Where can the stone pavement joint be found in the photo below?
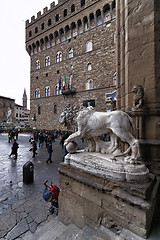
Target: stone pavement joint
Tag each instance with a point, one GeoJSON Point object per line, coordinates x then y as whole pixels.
{"type": "Point", "coordinates": [22, 207]}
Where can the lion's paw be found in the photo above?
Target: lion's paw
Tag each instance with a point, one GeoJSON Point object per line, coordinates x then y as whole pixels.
{"type": "Point", "coordinates": [130, 160]}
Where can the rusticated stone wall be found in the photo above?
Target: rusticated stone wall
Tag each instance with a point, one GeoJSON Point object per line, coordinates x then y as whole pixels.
{"type": "Point", "coordinates": [138, 63]}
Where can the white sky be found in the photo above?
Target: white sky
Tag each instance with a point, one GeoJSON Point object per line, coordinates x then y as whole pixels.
{"type": "Point", "coordinates": [14, 59]}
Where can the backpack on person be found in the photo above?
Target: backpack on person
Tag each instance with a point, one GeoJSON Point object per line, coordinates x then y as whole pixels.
{"type": "Point", "coordinates": [50, 194]}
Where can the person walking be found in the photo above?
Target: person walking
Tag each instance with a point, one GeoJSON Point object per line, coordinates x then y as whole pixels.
{"type": "Point", "coordinates": [33, 148]}
{"type": "Point", "coordinates": [41, 139]}
{"type": "Point", "coordinates": [50, 150]}
{"type": "Point", "coordinates": [15, 147]}
{"type": "Point", "coordinates": [9, 137]}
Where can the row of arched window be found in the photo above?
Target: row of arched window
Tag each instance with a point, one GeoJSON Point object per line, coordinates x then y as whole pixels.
{"type": "Point", "coordinates": [58, 91]}
{"type": "Point", "coordinates": [57, 18]}
{"type": "Point", "coordinates": [66, 33]}
{"type": "Point", "coordinates": [89, 47]}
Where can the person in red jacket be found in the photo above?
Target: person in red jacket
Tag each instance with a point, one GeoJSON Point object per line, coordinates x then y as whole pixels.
{"type": "Point", "coordinates": [50, 194]}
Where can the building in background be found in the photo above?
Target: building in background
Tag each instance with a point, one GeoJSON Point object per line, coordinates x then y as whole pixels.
{"type": "Point", "coordinates": [7, 107]}
{"type": "Point", "coordinates": [22, 114]}
{"type": "Point", "coordinates": [72, 51]}
{"type": "Point", "coordinates": [12, 114]}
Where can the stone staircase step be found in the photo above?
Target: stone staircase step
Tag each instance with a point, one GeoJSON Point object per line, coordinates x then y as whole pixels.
{"type": "Point", "coordinates": [53, 229]}
{"type": "Point", "coordinates": [105, 234]}
{"type": "Point", "coordinates": [69, 233]}
{"type": "Point", "coordinates": [47, 231]}
{"type": "Point", "coordinates": [85, 233]}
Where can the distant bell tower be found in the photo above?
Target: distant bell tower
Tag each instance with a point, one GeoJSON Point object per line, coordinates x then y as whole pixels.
{"type": "Point", "coordinates": [24, 99]}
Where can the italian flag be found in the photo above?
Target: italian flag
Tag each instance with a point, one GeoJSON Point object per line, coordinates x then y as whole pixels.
{"type": "Point", "coordinates": [64, 83]}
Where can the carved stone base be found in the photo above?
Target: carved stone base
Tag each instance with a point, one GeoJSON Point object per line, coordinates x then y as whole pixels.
{"type": "Point", "coordinates": [102, 165]}
{"type": "Point", "coordinates": [97, 198]}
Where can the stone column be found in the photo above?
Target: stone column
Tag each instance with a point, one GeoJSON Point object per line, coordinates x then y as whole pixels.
{"type": "Point", "coordinates": [138, 46]}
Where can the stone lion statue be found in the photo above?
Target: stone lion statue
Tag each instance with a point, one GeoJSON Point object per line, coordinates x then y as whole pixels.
{"type": "Point", "coordinates": [138, 99]}
{"type": "Point", "coordinates": [91, 125]}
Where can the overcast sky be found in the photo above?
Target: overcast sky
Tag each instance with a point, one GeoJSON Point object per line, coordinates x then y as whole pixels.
{"type": "Point", "coordinates": [14, 60]}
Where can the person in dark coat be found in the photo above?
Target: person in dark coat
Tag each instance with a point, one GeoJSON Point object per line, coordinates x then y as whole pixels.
{"type": "Point", "coordinates": [33, 148]}
{"type": "Point", "coordinates": [14, 149]}
{"type": "Point", "coordinates": [50, 150]}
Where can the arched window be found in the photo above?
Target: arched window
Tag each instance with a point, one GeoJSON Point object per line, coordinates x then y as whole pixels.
{"type": "Point", "coordinates": [49, 22]}
{"type": "Point", "coordinates": [30, 33]}
{"type": "Point", "coordinates": [99, 17]}
{"type": "Point", "coordinates": [65, 13]}
{"type": "Point", "coordinates": [36, 30]}
{"type": "Point", "coordinates": [80, 28]}
{"type": "Point", "coordinates": [89, 84]}
{"type": "Point", "coordinates": [89, 46]}
{"type": "Point", "coordinates": [42, 45]}
{"type": "Point", "coordinates": [89, 67]}
{"type": "Point", "coordinates": [68, 32]}
{"type": "Point", "coordinates": [72, 8]}
{"type": "Point", "coordinates": [42, 26]}
{"type": "Point", "coordinates": [29, 50]}
{"type": "Point", "coordinates": [47, 61]}
{"type": "Point", "coordinates": [70, 53]}
{"type": "Point", "coordinates": [37, 93]}
{"type": "Point", "coordinates": [57, 89]}
{"type": "Point", "coordinates": [39, 110]}
{"type": "Point", "coordinates": [38, 46]}
{"type": "Point", "coordinates": [47, 91]}
{"type": "Point", "coordinates": [86, 26]}
{"type": "Point", "coordinates": [57, 38]}
{"type": "Point", "coordinates": [34, 48]}
{"type": "Point", "coordinates": [82, 3]}
{"type": "Point", "coordinates": [37, 64]}
{"type": "Point", "coordinates": [62, 35]}
{"type": "Point", "coordinates": [55, 108]}
{"type": "Point", "coordinates": [74, 29]}
{"type": "Point", "coordinates": [106, 13]}
{"type": "Point", "coordinates": [57, 18]}
{"type": "Point", "coordinates": [92, 20]}
{"type": "Point", "coordinates": [59, 57]}
{"type": "Point", "coordinates": [51, 39]}
{"type": "Point", "coordinates": [47, 42]}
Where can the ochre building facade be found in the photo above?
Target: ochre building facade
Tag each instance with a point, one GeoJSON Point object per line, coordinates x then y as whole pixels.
{"type": "Point", "coordinates": [72, 51]}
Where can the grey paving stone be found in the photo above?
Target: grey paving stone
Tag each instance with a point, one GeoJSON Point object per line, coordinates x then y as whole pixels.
{"type": "Point", "coordinates": [33, 226]}
{"type": "Point", "coordinates": [7, 222]}
{"type": "Point", "coordinates": [18, 230]}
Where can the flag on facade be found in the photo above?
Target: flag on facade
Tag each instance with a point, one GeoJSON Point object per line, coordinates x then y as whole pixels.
{"type": "Point", "coordinates": [60, 85]}
{"type": "Point", "coordinates": [64, 83]}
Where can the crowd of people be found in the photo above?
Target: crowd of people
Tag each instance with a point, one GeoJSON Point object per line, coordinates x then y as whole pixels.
{"type": "Point", "coordinates": [46, 138]}
{"type": "Point", "coordinates": [39, 138]}
{"type": "Point", "coordinates": [12, 134]}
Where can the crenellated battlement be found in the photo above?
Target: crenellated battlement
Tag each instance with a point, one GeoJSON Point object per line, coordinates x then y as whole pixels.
{"type": "Point", "coordinates": [45, 11]}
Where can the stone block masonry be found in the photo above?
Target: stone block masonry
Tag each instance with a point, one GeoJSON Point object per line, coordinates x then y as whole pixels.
{"type": "Point", "coordinates": [89, 199]}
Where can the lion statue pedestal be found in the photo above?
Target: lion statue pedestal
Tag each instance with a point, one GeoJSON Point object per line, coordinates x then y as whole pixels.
{"type": "Point", "coordinates": [98, 192]}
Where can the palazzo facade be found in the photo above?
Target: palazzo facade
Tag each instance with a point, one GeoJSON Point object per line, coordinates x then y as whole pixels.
{"type": "Point", "coordinates": [72, 52]}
